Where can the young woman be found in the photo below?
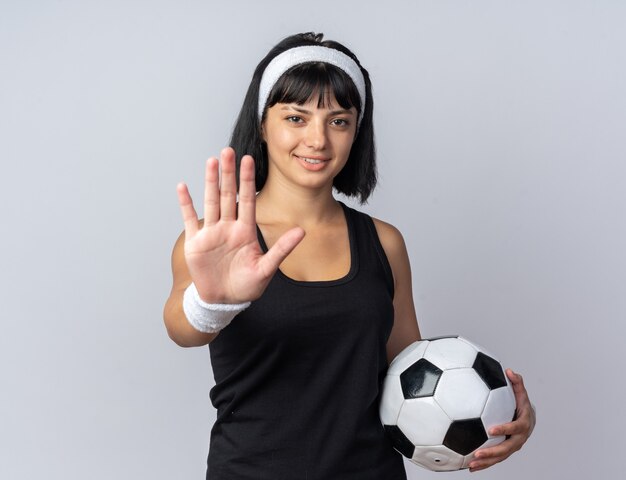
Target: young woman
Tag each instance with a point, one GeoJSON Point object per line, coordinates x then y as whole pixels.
{"type": "Point", "coordinates": [302, 300]}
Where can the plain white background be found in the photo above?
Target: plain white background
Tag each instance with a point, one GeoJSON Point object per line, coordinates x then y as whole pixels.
{"type": "Point", "coordinates": [500, 130]}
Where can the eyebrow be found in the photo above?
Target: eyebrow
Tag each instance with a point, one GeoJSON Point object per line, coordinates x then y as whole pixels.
{"type": "Point", "coordinates": [304, 110]}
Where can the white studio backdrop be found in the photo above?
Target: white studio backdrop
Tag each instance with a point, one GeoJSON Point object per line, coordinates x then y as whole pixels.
{"type": "Point", "coordinates": [500, 132]}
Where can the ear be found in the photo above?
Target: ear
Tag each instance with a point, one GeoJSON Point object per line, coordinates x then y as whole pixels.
{"type": "Point", "coordinates": [263, 132]}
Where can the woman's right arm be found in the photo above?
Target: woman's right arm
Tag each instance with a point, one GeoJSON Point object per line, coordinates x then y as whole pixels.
{"type": "Point", "coordinates": [221, 255]}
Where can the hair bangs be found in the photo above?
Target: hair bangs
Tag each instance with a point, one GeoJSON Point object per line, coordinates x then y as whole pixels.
{"type": "Point", "coordinates": [302, 82]}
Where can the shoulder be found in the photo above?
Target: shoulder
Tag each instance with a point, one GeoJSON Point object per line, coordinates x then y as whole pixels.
{"type": "Point", "coordinates": [395, 249]}
{"type": "Point", "coordinates": [390, 238]}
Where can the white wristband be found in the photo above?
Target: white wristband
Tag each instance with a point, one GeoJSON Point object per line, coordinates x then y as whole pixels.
{"type": "Point", "coordinates": [209, 317]}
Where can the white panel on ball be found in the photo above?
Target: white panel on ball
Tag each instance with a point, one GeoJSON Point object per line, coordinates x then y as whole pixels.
{"type": "Point", "coordinates": [392, 401]}
{"type": "Point", "coordinates": [500, 408]}
{"type": "Point", "coordinates": [437, 458]}
{"type": "Point", "coordinates": [423, 422]}
{"type": "Point", "coordinates": [461, 393]}
{"type": "Point", "coordinates": [450, 353]}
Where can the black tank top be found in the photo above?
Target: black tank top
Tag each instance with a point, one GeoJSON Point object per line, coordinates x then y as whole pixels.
{"type": "Point", "coordinates": [298, 375]}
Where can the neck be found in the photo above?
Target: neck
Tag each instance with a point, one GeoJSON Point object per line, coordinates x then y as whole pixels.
{"type": "Point", "coordinates": [293, 206]}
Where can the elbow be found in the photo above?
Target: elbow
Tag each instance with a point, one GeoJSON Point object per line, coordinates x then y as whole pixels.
{"type": "Point", "coordinates": [169, 321]}
{"type": "Point", "coordinates": [180, 339]}
{"type": "Point", "coordinates": [175, 338]}
{"type": "Point", "coordinates": [171, 332]}
{"type": "Point", "coordinates": [181, 332]}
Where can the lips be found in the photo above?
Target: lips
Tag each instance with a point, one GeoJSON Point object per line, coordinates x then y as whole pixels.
{"type": "Point", "coordinates": [314, 163]}
{"type": "Point", "coordinates": [313, 159]}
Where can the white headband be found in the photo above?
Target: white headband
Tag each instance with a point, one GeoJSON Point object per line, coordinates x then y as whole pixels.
{"type": "Point", "coordinates": [311, 53]}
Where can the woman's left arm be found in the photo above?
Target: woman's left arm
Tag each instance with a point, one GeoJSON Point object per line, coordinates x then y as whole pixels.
{"type": "Point", "coordinates": [406, 331]}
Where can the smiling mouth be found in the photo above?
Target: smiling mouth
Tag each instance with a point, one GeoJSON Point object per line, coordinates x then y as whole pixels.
{"type": "Point", "coordinates": [312, 161]}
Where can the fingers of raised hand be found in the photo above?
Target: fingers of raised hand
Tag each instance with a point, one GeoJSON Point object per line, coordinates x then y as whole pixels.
{"type": "Point", "coordinates": [211, 192]}
{"type": "Point", "coordinates": [190, 218]}
{"type": "Point", "coordinates": [279, 251]}
{"type": "Point", "coordinates": [228, 185]}
{"type": "Point", "coordinates": [247, 191]}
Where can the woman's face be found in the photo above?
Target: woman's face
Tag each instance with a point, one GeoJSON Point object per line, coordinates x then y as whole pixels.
{"type": "Point", "coordinates": [308, 145]}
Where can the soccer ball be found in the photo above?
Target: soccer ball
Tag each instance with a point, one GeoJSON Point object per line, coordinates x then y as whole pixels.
{"type": "Point", "coordinates": [439, 399]}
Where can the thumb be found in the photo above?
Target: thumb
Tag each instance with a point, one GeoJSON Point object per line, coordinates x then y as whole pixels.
{"type": "Point", "coordinates": [279, 251]}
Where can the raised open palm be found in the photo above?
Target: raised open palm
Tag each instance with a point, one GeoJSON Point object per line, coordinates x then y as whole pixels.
{"type": "Point", "coordinates": [224, 258]}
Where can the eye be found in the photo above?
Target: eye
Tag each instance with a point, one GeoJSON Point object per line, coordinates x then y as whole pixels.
{"type": "Point", "coordinates": [340, 122]}
{"type": "Point", "coordinates": [294, 119]}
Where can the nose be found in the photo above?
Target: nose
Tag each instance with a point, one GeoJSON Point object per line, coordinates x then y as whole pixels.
{"type": "Point", "coordinates": [316, 135]}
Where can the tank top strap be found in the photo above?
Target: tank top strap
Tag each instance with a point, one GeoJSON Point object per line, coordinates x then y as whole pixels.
{"type": "Point", "coordinates": [371, 255]}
